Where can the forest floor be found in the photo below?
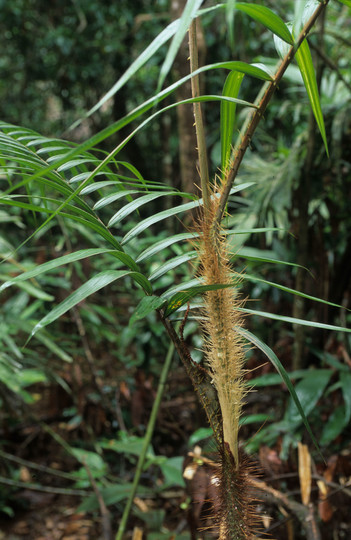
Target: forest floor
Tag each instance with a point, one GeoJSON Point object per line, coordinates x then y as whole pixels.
{"type": "Point", "coordinates": [319, 508]}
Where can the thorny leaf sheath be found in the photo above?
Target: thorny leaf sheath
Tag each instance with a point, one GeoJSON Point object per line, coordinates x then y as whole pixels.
{"type": "Point", "coordinates": [223, 345]}
{"type": "Point", "coordinates": [224, 359]}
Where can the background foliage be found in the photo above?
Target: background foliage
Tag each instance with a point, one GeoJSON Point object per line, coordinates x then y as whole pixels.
{"type": "Point", "coordinates": [82, 388]}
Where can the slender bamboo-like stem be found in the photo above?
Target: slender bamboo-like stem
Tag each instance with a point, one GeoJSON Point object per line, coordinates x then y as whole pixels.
{"type": "Point", "coordinates": [257, 114]}
{"type": "Point", "coordinates": [147, 439]}
{"type": "Point", "coordinates": [199, 125]}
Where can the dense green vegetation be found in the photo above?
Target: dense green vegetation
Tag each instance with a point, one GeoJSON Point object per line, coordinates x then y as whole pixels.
{"type": "Point", "coordinates": [97, 268]}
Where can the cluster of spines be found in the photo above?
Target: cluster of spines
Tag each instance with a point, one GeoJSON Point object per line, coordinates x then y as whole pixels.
{"type": "Point", "coordinates": [224, 359]}
{"type": "Point", "coordinates": [223, 345]}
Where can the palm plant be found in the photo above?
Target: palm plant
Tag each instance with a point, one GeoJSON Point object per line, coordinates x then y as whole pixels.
{"type": "Point", "coordinates": [52, 179]}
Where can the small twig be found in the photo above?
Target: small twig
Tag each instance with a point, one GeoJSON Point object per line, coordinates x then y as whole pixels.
{"type": "Point", "coordinates": [60, 440]}
{"type": "Point", "coordinates": [105, 514]}
{"type": "Point", "coordinates": [339, 37]}
{"type": "Point", "coordinates": [334, 485]}
{"type": "Point", "coordinates": [331, 65]}
{"type": "Point", "coordinates": [45, 489]}
{"type": "Point", "coordinates": [36, 466]}
{"type": "Point", "coordinates": [29, 439]}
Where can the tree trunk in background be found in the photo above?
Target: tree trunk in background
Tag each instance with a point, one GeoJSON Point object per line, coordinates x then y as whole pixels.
{"type": "Point", "coordinates": [189, 176]}
{"type": "Point", "coordinates": [300, 205]}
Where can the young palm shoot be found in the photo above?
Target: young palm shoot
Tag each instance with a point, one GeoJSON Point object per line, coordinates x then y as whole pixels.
{"type": "Point", "coordinates": [224, 348]}
{"type": "Point", "coordinates": [223, 345]}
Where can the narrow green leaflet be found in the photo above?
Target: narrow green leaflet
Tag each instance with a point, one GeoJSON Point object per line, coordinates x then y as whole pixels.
{"type": "Point", "coordinates": [172, 263]}
{"type": "Point", "coordinates": [282, 372]}
{"type": "Point", "coordinates": [146, 223]}
{"type": "Point", "coordinates": [293, 320]}
{"type": "Point", "coordinates": [163, 244]}
{"type": "Point", "coordinates": [268, 18]}
{"type": "Point", "coordinates": [180, 287]}
{"type": "Point", "coordinates": [305, 63]}
{"type": "Point", "coordinates": [213, 97]}
{"type": "Point", "coordinates": [298, 14]}
{"type": "Point", "coordinates": [36, 292]}
{"type": "Point", "coordinates": [135, 204]}
{"type": "Point", "coordinates": [255, 230]}
{"type": "Point", "coordinates": [166, 242]}
{"type": "Point", "coordinates": [71, 164]}
{"type": "Point", "coordinates": [96, 185]}
{"type": "Point", "coordinates": [346, 2]}
{"type": "Point", "coordinates": [112, 197]}
{"type": "Point", "coordinates": [11, 344]}
{"type": "Point", "coordinates": [93, 285]}
{"type": "Point", "coordinates": [273, 379]}
{"type": "Point", "coordinates": [66, 259]}
{"type": "Point", "coordinates": [79, 177]}
{"type": "Point", "coordinates": [254, 254]}
{"type": "Point", "coordinates": [229, 15]}
{"type": "Point", "coordinates": [96, 226]}
{"type": "Point", "coordinates": [182, 297]}
{"type": "Point", "coordinates": [14, 200]}
{"type": "Point", "coordinates": [146, 306]}
{"type": "Point", "coordinates": [250, 69]}
{"type": "Point", "coordinates": [46, 340]}
{"type": "Point", "coordinates": [27, 377]}
{"type": "Point", "coordinates": [236, 65]}
{"type": "Point", "coordinates": [189, 12]}
{"type": "Point", "coordinates": [160, 40]}
{"type": "Point", "coordinates": [261, 14]}
{"type": "Point", "coordinates": [231, 89]}
{"type": "Point", "coordinates": [287, 289]}
{"type": "Point", "coordinates": [134, 171]}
